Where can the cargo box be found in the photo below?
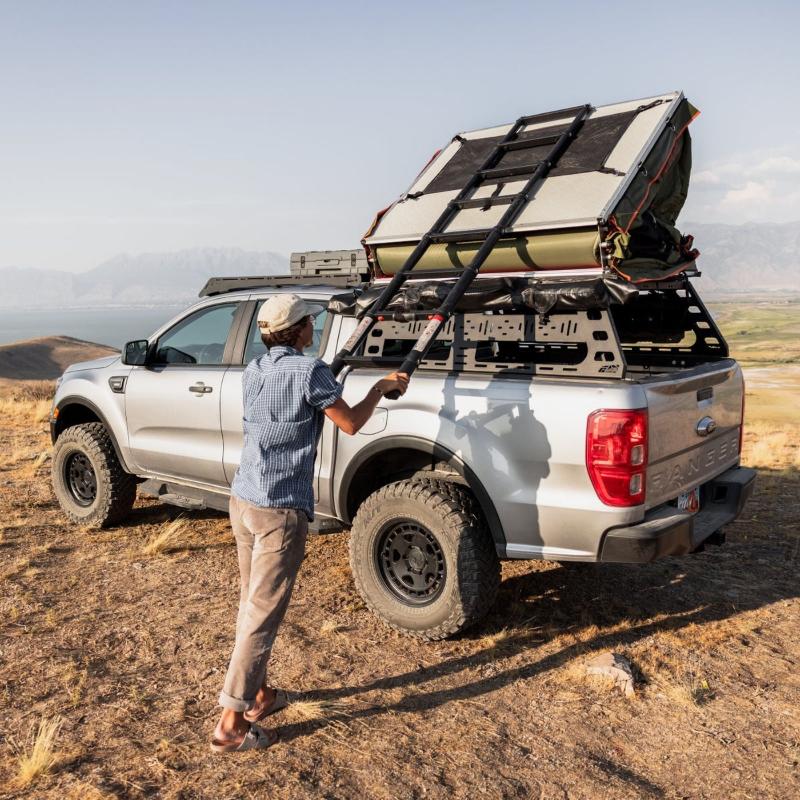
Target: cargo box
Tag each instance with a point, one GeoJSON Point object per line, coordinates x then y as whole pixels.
{"type": "Point", "coordinates": [611, 201]}
{"type": "Point", "coordinates": [325, 263]}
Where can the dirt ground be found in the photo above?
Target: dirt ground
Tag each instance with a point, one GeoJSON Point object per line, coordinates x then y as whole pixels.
{"type": "Point", "coordinates": [127, 651]}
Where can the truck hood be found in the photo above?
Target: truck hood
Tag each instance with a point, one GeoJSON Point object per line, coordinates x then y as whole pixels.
{"type": "Point", "coordinates": [97, 363]}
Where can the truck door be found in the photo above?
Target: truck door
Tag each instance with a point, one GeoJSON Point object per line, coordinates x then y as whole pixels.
{"type": "Point", "coordinates": [172, 405]}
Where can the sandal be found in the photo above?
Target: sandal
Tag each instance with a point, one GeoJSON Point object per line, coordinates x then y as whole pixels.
{"type": "Point", "coordinates": [279, 703]}
{"type": "Point", "coordinates": [255, 739]}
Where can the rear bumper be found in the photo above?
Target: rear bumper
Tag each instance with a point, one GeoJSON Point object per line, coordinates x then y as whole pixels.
{"type": "Point", "coordinates": [667, 531]}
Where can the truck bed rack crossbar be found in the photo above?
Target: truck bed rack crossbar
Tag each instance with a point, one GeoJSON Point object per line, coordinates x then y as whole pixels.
{"type": "Point", "coordinates": [217, 286]}
{"type": "Point", "coordinates": [665, 327]}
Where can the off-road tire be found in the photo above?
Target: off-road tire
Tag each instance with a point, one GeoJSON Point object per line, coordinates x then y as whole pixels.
{"type": "Point", "coordinates": [472, 567]}
{"type": "Point", "coordinates": [456, 492]}
{"type": "Point", "coordinates": [115, 488]}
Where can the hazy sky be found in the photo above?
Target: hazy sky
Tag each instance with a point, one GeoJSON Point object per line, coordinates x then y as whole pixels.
{"type": "Point", "coordinates": [149, 126]}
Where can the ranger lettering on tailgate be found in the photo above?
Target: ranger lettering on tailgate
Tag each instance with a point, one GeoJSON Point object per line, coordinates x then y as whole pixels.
{"type": "Point", "coordinates": [685, 469]}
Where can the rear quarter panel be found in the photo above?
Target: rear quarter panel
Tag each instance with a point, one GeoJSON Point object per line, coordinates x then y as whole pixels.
{"type": "Point", "coordinates": [524, 440]}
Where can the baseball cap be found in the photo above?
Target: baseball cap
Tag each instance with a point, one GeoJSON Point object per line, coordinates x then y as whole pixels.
{"type": "Point", "coordinates": [281, 311]}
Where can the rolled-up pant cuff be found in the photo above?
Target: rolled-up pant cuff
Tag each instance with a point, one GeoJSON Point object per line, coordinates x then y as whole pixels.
{"type": "Point", "coordinates": [234, 703]}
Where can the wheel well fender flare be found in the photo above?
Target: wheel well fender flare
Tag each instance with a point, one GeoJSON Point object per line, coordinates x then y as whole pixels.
{"type": "Point", "coordinates": [72, 411]}
{"type": "Point", "coordinates": [437, 453]}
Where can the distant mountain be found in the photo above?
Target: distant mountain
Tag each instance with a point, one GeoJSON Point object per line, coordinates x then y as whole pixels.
{"type": "Point", "coordinates": [735, 259]}
{"type": "Point", "coordinates": [146, 279]}
{"type": "Point", "coordinates": [747, 259]}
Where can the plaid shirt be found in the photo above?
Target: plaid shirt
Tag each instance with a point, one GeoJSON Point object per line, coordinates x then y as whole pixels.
{"type": "Point", "coordinates": [284, 393]}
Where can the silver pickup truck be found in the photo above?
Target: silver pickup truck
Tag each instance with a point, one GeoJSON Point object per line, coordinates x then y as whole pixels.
{"type": "Point", "coordinates": [621, 462]}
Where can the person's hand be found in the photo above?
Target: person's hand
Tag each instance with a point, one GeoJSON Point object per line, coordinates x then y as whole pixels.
{"type": "Point", "coordinates": [396, 381]}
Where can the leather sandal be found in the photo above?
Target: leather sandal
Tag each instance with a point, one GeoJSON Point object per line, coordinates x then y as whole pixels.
{"type": "Point", "coordinates": [255, 739]}
{"type": "Point", "coordinates": [279, 703]}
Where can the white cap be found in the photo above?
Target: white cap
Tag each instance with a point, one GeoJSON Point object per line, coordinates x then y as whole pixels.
{"type": "Point", "coordinates": [282, 311]}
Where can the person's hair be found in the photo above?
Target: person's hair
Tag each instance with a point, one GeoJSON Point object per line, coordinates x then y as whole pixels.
{"type": "Point", "coordinates": [287, 337]}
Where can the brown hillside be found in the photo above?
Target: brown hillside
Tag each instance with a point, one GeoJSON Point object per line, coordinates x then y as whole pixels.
{"type": "Point", "coordinates": [46, 358]}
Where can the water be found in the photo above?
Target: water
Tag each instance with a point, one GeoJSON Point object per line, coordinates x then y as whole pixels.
{"type": "Point", "coordinates": [111, 326]}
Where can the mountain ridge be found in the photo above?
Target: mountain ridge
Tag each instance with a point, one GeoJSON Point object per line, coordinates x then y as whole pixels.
{"type": "Point", "coordinates": [143, 279]}
{"type": "Point", "coordinates": [751, 258]}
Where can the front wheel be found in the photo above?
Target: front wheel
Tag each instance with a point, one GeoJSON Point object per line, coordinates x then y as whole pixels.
{"type": "Point", "coordinates": [90, 484]}
{"type": "Point", "coordinates": [422, 559]}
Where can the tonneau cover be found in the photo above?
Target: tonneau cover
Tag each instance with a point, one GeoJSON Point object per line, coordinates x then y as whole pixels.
{"type": "Point", "coordinates": [620, 184]}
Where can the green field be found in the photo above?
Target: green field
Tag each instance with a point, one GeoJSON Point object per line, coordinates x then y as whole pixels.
{"type": "Point", "coordinates": [761, 333]}
{"type": "Point", "coordinates": [764, 336]}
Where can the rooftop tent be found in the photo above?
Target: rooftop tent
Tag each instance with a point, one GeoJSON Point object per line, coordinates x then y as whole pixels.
{"type": "Point", "coordinates": [610, 201]}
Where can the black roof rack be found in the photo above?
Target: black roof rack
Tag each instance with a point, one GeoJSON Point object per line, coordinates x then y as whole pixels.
{"type": "Point", "coordinates": [215, 286]}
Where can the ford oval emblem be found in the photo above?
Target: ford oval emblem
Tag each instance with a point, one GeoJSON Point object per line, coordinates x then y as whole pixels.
{"type": "Point", "coordinates": [706, 426]}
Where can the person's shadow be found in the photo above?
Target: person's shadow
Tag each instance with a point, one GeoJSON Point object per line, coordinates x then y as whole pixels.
{"type": "Point", "coordinates": [496, 431]}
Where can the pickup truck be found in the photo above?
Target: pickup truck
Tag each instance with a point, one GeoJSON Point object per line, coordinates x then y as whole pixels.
{"type": "Point", "coordinates": [467, 468]}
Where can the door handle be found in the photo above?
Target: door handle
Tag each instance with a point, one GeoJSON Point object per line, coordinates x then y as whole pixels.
{"type": "Point", "coordinates": [201, 388]}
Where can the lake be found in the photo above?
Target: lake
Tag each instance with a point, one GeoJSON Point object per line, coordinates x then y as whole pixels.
{"type": "Point", "coordinates": [111, 326]}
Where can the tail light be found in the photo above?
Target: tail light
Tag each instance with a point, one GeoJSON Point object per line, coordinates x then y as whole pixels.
{"type": "Point", "coordinates": [616, 455]}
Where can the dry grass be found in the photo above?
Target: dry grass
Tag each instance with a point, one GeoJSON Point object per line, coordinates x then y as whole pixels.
{"type": "Point", "coordinates": [25, 411]}
{"type": "Point", "coordinates": [40, 411]}
{"type": "Point", "coordinates": [27, 402]}
{"type": "Point", "coordinates": [85, 791]}
{"type": "Point", "coordinates": [330, 627]}
{"type": "Point", "coordinates": [766, 445]}
{"type": "Point", "coordinates": [26, 391]}
{"type": "Point", "coordinates": [167, 539]}
{"type": "Point", "coordinates": [74, 679]}
{"type": "Point", "coordinates": [314, 710]}
{"type": "Point", "coordinates": [42, 756]}
{"type": "Point", "coordinates": [498, 639]}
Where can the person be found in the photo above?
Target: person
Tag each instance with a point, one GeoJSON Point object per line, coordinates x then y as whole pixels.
{"type": "Point", "coordinates": [285, 394]}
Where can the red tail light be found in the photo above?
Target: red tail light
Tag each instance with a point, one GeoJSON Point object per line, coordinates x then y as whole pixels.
{"type": "Point", "coordinates": [616, 455]}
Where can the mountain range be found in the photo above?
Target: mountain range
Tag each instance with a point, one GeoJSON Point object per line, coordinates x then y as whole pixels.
{"type": "Point", "coordinates": [752, 258]}
{"type": "Point", "coordinates": [735, 259]}
{"type": "Point", "coordinates": [147, 279]}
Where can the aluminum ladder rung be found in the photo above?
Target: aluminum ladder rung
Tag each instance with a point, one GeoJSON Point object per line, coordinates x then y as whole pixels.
{"type": "Point", "coordinates": [474, 235]}
{"type": "Point", "coordinates": [507, 172]}
{"type": "Point", "coordinates": [525, 144]}
{"type": "Point", "coordinates": [485, 202]}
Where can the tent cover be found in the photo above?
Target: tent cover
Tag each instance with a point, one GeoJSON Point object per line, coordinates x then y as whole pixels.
{"type": "Point", "coordinates": [610, 201]}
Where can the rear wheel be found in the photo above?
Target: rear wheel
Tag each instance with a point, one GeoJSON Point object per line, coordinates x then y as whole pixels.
{"type": "Point", "coordinates": [89, 483]}
{"type": "Point", "coordinates": [423, 559]}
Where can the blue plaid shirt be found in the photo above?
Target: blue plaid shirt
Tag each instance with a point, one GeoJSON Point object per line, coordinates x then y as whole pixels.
{"type": "Point", "coordinates": [284, 394]}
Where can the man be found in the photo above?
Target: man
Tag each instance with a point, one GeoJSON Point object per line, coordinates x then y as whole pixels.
{"type": "Point", "coordinates": [272, 500]}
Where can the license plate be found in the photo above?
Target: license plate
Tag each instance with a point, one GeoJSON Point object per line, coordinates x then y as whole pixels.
{"type": "Point", "coordinates": [690, 501]}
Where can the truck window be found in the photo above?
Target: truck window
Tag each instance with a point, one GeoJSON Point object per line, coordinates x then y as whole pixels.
{"type": "Point", "coordinates": [255, 347]}
{"type": "Point", "coordinates": [199, 339]}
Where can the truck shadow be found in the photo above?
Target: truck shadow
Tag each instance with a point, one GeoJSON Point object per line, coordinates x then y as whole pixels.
{"type": "Point", "coordinates": [619, 605]}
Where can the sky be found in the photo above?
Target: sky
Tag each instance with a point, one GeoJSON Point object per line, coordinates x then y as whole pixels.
{"type": "Point", "coordinates": [130, 127]}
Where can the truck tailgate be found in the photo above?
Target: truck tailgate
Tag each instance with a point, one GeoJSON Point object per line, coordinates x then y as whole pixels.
{"type": "Point", "coordinates": [694, 422]}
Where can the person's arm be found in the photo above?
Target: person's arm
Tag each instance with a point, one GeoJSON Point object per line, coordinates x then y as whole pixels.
{"type": "Point", "coordinates": [352, 419]}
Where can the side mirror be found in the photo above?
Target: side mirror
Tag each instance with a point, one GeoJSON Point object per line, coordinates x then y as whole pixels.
{"type": "Point", "coordinates": [135, 353]}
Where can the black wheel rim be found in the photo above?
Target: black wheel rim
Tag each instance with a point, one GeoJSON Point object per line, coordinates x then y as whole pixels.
{"type": "Point", "coordinates": [80, 478]}
{"type": "Point", "coordinates": [411, 562]}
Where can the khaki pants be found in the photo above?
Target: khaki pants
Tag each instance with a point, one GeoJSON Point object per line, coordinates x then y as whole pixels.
{"type": "Point", "coordinates": [271, 544]}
